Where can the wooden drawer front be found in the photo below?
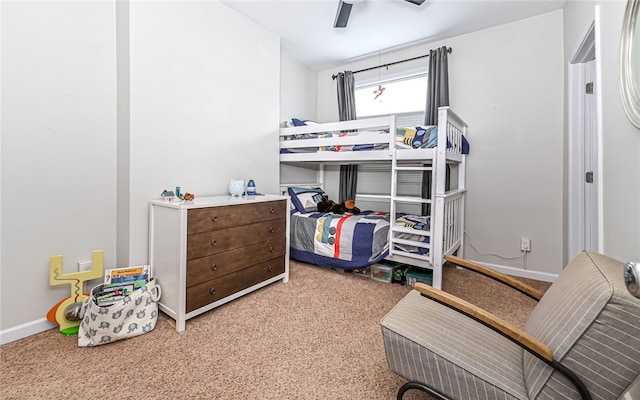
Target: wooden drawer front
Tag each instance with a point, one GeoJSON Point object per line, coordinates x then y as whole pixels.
{"type": "Point", "coordinates": [211, 267]}
{"type": "Point", "coordinates": [214, 242]}
{"type": "Point", "coordinates": [207, 219]}
{"type": "Point", "coordinates": [226, 285]}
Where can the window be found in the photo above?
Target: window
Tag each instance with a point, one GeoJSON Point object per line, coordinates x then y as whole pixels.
{"type": "Point", "coordinates": [405, 97]}
{"type": "Point", "coordinates": [398, 96]}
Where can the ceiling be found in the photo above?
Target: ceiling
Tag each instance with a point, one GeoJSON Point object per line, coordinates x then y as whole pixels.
{"type": "Point", "coordinates": [307, 33]}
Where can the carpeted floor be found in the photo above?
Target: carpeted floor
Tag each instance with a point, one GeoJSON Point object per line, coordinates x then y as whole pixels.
{"type": "Point", "coordinates": [316, 337]}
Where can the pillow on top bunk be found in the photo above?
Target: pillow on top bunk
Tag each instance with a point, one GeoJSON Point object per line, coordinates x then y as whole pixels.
{"type": "Point", "coordinates": [302, 122]}
{"type": "Point", "coordinates": [305, 199]}
{"type": "Point", "coordinates": [433, 142]}
{"type": "Point", "coordinates": [419, 137]}
{"type": "Point", "coordinates": [405, 134]}
{"type": "Point", "coordinates": [432, 138]}
{"type": "Point", "coordinates": [465, 145]}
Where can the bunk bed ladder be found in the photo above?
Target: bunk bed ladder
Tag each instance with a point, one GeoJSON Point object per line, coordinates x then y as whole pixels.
{"type": "Point", "coordinates": [395, 230]}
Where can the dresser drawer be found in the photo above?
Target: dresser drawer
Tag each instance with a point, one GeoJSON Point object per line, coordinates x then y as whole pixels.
{"type": "Point", "coordinates": [208, 292]}
{"type": "Point", "coordinates": [207, 219]}
{"type": "Point", "coordinates": [206, 268]}
{"type": "Point", "coordinates": [218, 241]}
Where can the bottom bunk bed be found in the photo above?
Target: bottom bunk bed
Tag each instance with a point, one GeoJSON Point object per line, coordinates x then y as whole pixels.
{"type": "Point", "coordinates": [349, 241]}
{"type": "Point", "coordinates": [354, 241]}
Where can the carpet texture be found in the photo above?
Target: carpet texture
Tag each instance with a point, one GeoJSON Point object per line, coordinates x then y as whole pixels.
{"type": "Point", "coordinates": [316, 337]}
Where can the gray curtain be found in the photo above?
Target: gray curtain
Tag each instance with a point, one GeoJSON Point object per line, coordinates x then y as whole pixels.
{"type": "Point", "coordinates": [437, 96]}
{"type": "Point", "coordinates": [348, 182]}
{"type": "Point", "coordinates": [346, 96]}
{"type": "Point", "coordinates": [438, 85]}
{"type": "Point", "coordinates": [347, 111]}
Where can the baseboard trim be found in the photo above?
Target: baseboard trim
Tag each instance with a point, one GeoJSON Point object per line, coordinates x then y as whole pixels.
{"type": "Point", "coordinates": [25, 330]}
{"type": "Point", "coordinates": [521, 273]}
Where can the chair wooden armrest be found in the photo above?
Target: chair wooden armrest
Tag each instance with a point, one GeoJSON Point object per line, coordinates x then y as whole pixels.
{"type": "Point", "coordinates": [516, 335]}
{"type": "Point", "coordinates": [500, 277]}
{"type": "Point", "coordinates": [503, 327]}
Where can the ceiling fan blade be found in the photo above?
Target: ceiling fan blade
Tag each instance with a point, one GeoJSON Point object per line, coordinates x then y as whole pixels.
{"type": "Point", "coordinates": [416, 2]}
{"type": "Point", "coordinates": [342, 15]}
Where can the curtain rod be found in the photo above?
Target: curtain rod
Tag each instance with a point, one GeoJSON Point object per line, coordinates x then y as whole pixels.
{"type": "Point", "coordinates": [334, 76]}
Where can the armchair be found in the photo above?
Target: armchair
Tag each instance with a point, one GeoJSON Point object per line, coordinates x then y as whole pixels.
{"type": "Point", "coordinates": [581, 341]}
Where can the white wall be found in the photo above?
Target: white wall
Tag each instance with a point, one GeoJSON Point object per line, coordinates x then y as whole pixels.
{"type": "Point", "coordinates": [298, 90]}
{"type": "Point", "coordinates": [201, 106]}
{"type": "Point", "coordinates": [123, 124]}
{"type": "Point", "coordinates": [507, 83]}
{"type": "Point", "coordinates": [620, 139]}
{"type": "Point", "coordinates": [298, 99]}
{"type": "Point", "coordinates": [58, 149]}
{"type": "Point", "coordinates": [204, 105]}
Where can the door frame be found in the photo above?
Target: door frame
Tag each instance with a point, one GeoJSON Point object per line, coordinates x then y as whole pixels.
{"type": "Point", "coordinates": [587, 51]}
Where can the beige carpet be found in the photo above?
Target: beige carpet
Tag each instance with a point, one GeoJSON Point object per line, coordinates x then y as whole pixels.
{"type": "Point", "coordinates": [316, 337]}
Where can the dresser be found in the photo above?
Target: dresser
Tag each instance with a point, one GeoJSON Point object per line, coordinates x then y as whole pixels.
{"type": "Point", "coordinates": [212, 250]}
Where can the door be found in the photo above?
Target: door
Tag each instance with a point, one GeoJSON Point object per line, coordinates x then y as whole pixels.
{"type": "Point", "coordinates": [590, 191]}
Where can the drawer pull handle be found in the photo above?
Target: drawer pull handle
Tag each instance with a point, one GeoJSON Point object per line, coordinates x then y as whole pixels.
{"type": "Point", "coordinates": [212, 291]}
{"type": "Point", "coordinates": [271, 249]}
{"type": "Point", "coordinates": [272, 210]}
{"type": "Point", "coordinates": [271, 229]}
{"type": "Point", "coordinates": [214, 218]}
{"type": "Point", "coordinates": [270, 269]}
{"type": "Point", "coordinates": [214, 267]}
{"type": "Point", "coordinates": [213, 242]}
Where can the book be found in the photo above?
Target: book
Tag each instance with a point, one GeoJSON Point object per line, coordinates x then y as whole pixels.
{"type": "Point", "coordinates": [127, 274]}
{"type": "Point", "coordinates": [120, 283]}
{"type": "Point", "coordinates": [130, 278]}
{"type": "Point", "coordinates": [116, 288]}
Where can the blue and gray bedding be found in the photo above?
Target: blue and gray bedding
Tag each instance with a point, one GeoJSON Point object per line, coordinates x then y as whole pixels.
{"type": "Point", "coordinates": [408, 138]}
{"type": "Point", "coordinates": [423, 138]}
{"type": "Point", "coordinates": [343, 241]}
{"type": "Point", "coordinates": [348, 241]}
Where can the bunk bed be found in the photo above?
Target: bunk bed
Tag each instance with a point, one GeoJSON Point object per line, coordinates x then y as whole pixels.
{"type": "Point", "coordinates": [351, 241]}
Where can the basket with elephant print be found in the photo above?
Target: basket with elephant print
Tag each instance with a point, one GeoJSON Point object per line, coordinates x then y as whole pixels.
{"type": "Point", "coordinates": [135, 314]}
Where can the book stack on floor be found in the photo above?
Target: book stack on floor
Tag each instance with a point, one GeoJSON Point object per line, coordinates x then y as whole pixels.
{"type": "Point", "coordinates": [121, 282]}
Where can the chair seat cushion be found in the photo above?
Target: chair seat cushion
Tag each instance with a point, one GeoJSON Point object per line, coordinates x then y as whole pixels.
{"type": "Point", "coordinates": [430, 343]}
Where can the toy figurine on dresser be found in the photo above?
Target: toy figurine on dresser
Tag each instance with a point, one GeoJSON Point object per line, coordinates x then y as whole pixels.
{"type": "Point", "coordinates": [251, 188]}
{"type": "Point", "coordinates": [236, 187]}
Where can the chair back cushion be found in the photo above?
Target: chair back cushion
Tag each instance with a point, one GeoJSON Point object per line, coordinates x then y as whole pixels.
{"type": "Point", "coordinates": [591, 323]}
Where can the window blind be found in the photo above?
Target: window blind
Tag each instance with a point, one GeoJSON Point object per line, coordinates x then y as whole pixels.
{"type": "Point", "coordinates": [410, 120]}
{"type": "Point", "coordinates": [376, 179]}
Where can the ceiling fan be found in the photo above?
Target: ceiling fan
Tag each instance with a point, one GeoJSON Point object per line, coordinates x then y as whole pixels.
{"type": "Point", "coordinates": [344, 9]}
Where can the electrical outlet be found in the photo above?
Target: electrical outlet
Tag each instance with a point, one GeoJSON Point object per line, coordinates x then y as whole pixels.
{"type": "Point", "coordinates": [525, 244]}
{"type": "Point", "coordinates": [84, 266]}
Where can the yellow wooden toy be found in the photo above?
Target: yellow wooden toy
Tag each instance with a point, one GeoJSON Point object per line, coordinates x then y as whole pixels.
{"type": "Point", "coordinates": [76, 280]}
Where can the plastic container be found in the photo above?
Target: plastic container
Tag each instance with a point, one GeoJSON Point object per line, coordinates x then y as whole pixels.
{"type": "Point", "coordinates": [251, 188]}
{"type": "Point", "coordinates": [415, 274]}
{"type": "Point", "coordinates": [381, 272]}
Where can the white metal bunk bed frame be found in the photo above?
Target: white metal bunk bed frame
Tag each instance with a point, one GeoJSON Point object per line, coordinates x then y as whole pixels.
{"type": "Point", "coordinates": [447, 207]}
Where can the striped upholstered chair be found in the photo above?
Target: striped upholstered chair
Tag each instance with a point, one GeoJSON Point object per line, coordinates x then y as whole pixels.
{"type": "Point", "coordinates": [582, 340]}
